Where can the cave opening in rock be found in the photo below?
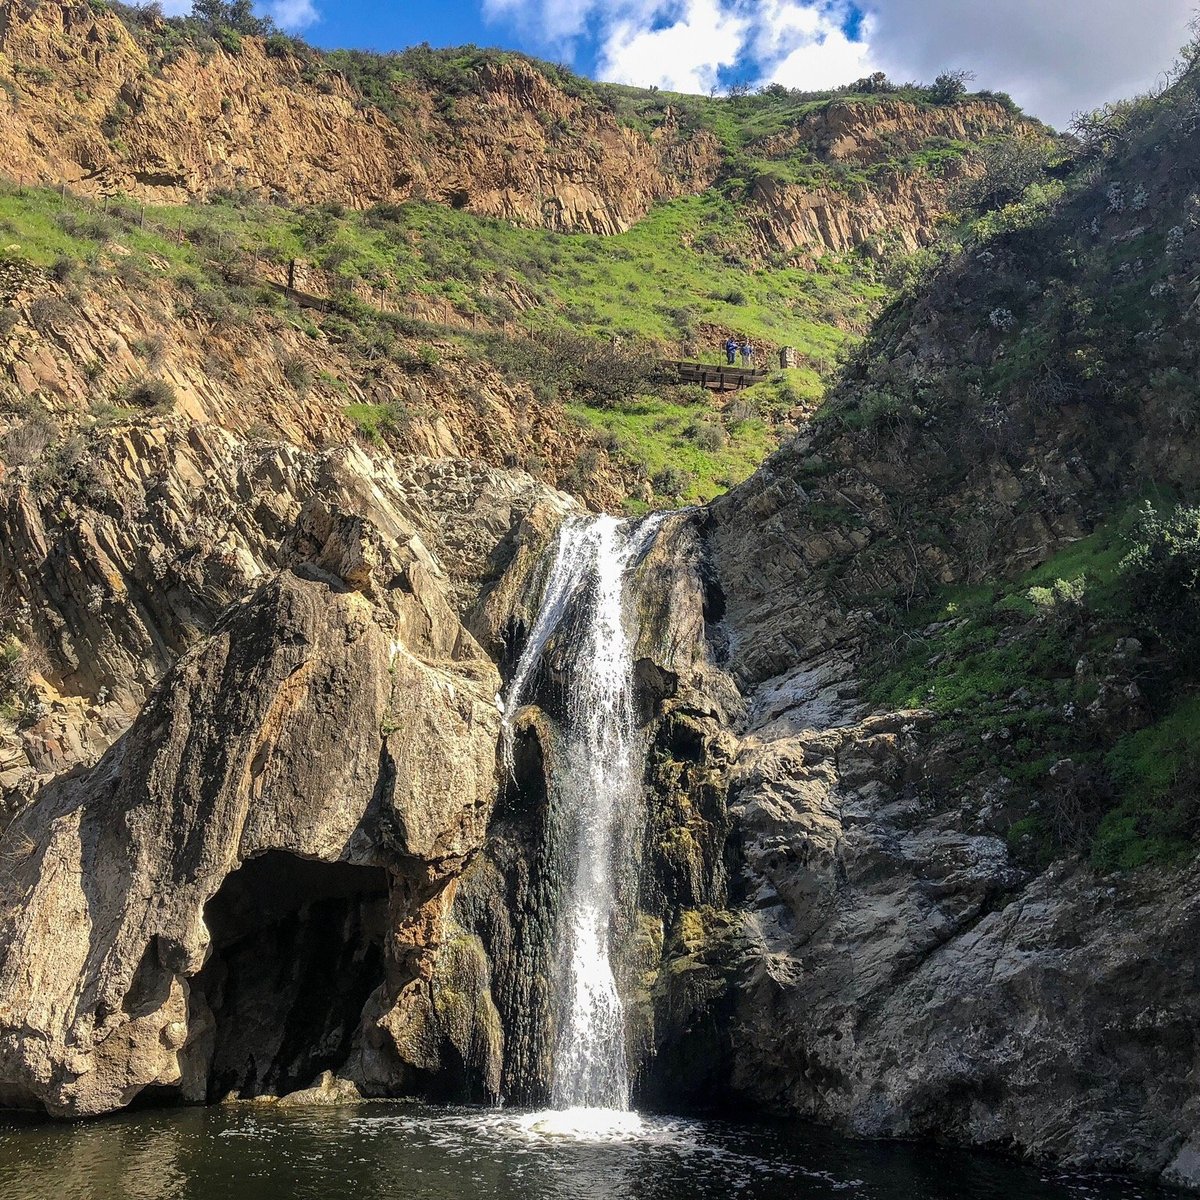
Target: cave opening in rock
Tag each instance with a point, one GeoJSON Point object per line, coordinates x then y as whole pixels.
{"type": "Point", "coordinates": [297, 949]}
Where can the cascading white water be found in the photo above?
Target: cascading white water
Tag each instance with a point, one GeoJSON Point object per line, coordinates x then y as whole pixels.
{"type": "Point", "coordinates": [595, 791]}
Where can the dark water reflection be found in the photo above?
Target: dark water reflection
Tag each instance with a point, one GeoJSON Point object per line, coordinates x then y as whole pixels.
{"type": "Point", "coordinates": [385, 1152]}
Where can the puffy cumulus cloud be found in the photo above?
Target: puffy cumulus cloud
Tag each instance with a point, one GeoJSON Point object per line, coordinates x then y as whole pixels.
{"type": "Point", "coordinates": [809, 46]}
{"type": "Point", "coordinates": [293, 14]}
{"type": "Point", "coordinates": [1055, 56]}
{"type": "Point", "coordinates": [683, 55]}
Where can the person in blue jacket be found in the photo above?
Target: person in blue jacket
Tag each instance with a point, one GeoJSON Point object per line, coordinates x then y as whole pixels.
{"type": "Point", "coordinates": [731, 350]}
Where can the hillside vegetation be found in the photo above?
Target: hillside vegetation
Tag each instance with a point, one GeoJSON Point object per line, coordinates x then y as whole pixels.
{"type": "Point", "coordinates": [573, 295]}
{"type": "Point", "coordinates": [1028, 409]}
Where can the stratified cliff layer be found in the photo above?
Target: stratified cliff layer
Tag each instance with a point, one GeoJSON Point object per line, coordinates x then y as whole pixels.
{"type": "Point", "coordinates": [174, 129]}
{"type": "Point", "coordinates": [337, 713]}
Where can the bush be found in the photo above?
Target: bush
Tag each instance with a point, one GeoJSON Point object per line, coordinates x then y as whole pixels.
{"type": "Point", "coordinates": [151, 348]}
{"type": "Point", "coordinates": [8, 320]}
{"type": "Point", "coordinates": [1061, 601]}
{"type": "Point", "coordinates": [149, 392]}
{"type": "Point", "coordinates": [708, 436]}
{"type": "Point", "coordinates": [26, 444]}
{"type": "Point", "coordinates": [116, 120]}
{"type": "Point", "coordinates": [950, 86]}
{"type": "Point", "coordinates": [560, 363]}
{"type": "Point", "coordinates": [69, 469]}
{"type": "Point", "coordinates": [1009, 168]}
{"type": "Point", "coordinates": [18, 662]}
{"type": "Point", "coordinates": [296, 372]}
{"type": "Point", "coordinates": [63, 268]}
{"type": "Point", "coordinates": [374, 421]}
{"type": "Point", "coordinates": [672, 481]}
{"type": "Point", "coordinates": [48, 311]}
{"type": "Point", "coordinates": [1162, 576]}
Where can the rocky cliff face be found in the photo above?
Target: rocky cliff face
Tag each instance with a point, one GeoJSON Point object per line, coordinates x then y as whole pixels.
{"type": "Point", "coordinates": [517, 147]}
{"type": "Point", "coordinates": [72, 351]}
{"type": "Point", "coordinates": [308, 780]}
{"type": "Point", "coordinates": [895, 203]}
{"type": "Point", "coordinates": [903, 969]}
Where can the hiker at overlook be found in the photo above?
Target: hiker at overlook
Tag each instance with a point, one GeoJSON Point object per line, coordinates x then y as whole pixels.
{"type": "Point", "coordinates": [747, 353]}
{"type": "Point", "coordinates": [731, 350]}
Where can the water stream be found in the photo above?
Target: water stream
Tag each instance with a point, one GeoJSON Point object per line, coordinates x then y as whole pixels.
{"type": "Point", "coordinates": [595, 794]}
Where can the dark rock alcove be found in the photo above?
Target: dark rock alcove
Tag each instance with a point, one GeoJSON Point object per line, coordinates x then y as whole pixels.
{"type": "Point", "coordinates": [297, 950]}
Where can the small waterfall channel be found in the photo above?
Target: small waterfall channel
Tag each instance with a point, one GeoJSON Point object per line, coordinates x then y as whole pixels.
{"type": "Point", "coordinates": [595, 789]}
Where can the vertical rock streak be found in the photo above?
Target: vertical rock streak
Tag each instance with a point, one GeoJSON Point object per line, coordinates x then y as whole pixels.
{"type": "Point", "coordinates": [595, 796]}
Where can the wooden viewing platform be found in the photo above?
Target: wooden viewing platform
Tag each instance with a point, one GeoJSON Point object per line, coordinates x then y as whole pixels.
{"type": "Point", "coordinates": [718, 377]}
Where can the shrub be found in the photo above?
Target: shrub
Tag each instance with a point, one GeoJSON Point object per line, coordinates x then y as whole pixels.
{"type": "Point", "coordinates": [296, 372]}
{"type": "Point", "coordinates": [69, 469]}
{"type": "Point", "coordinates": [116, 120]}
{"type": "Point", "coordinates": [373, 421]}
{"type": "Point", "coordinates": [8, 320]}
{"type": "Point", "coordinates": [1060, 601]}
{"type": "Point", "coordinates": [671, 481]}
{"type": "Point", "coordinates": [1009, 168]}
{"type": "Point", "coordinates": [228, 39]}
{"type": "Point", "coordinates": [26, 444]}
{"type": "Point", "coordinates": [559, 362]}
{"type": "Point", "coordinates": [149, 392]}
{"type": "Point", "coordinates": [1162, 576]}
{"type": "Point", "coordinates": [151, 348]}
{"type": "Point", "coordinates": [63, 268]}
{"type": "Point", "coordinates": [583, 469]}
{"type": "Point", "coordinates": [708, 436]}
{"type": "Point", "coordinates": [950, 86]}
{"type": "Point", "coordinates": [48, 311]}
{"type": "Point", "coordinates": [18, 662]}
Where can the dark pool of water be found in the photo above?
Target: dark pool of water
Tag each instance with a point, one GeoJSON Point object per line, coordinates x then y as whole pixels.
{"type": "Point", "coordinates": [391, 1151]}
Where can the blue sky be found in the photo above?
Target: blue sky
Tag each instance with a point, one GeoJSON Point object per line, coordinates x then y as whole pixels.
{"type": "Point", "coordinates": [1055, 56]}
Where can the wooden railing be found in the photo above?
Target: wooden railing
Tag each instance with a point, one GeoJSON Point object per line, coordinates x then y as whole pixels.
{"type": "Point", "coordinates": [718, 377]}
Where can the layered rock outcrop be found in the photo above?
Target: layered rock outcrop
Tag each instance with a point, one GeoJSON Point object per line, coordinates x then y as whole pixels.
{"type": "Point", "coordinates": [72, 352]}
{"type": "Point", "coordinates": [170, 127]}
{"type": "Point", "coordinates": [308, 780]}
{"type": "Point", "coordinates": [894, 202]}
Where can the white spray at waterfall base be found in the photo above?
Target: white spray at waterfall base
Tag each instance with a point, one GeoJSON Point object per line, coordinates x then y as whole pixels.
{"type": "Point", "coordinates": [595, 789]}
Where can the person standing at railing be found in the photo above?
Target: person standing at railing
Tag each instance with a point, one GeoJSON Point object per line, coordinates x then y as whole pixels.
{"type": "Point", "coordinates": [731, 350]}
{"type": "Point", "coordinates": [747, 353]}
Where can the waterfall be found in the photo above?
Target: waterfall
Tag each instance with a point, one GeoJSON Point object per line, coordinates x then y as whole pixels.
{"type": "Point", "coordinates": [595, 788]}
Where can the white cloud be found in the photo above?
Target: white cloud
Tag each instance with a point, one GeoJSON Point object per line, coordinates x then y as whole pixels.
{"type": "Point", "coordinates": [553, 23]}
{"type": "Point", "coordinates": [683, 56]}
{"type": "Point", "coordinates": [805, 45]}
{"type": "Point", "coordinates": [293, 14]}
{"type": "Point", "coordinates": [1055, 56]}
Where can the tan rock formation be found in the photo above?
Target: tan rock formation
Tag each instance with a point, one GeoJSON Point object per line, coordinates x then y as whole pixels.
{"type": "Point", "coordinates": [237, 377]}
{"type": "Point", "coordinates": [900, 208]}
{"type": "Point", "coordinates": [518, 147]}
{"type": "Point", "coordinates": [314, 722]}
